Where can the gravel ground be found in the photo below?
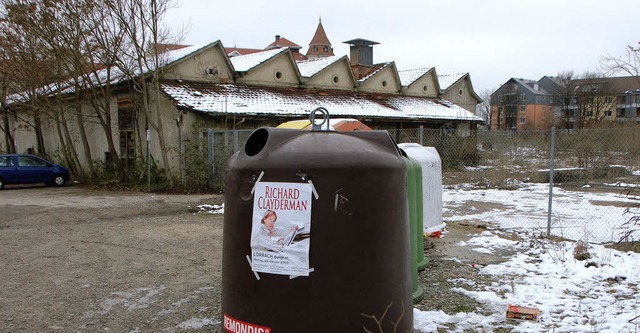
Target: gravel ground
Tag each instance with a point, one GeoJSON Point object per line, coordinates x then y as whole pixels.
{"type": "Point", "coordinates": [76, 259]}
{"type": "Point", "coordinates": [444, 273]}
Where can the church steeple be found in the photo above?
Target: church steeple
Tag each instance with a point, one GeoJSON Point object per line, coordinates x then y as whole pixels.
{"type": "Point", "coordinates": [320, 46]}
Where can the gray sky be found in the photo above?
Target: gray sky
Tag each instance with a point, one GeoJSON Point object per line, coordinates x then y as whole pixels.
{"type": "Point", "coordinates": [493, 40]}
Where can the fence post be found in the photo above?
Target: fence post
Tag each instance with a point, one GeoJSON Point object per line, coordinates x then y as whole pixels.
{"type": "Point", "coordinates": [421, 135]}
{"type": "Point", "coordinates": [210, 141]}
{"type": "Point", "coordinates": [551, 165]}
{"type": "Point", "coordinates": [235, 141]}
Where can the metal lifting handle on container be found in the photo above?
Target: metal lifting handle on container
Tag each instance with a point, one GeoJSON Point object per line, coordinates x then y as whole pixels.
{"type": "Point", "coordinates": [325, 119]}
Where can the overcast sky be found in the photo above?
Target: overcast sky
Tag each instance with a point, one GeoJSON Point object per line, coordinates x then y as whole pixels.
{"type": "Point", "coordinates": [493, 40]}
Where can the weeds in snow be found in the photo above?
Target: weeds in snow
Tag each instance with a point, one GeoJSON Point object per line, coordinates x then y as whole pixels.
{"type": "Point", "coordinates": [558, 252]}
{"type": "Point", "coordinates": [631, 226]}
{"type": "Point", "coordinates": [581, 251]}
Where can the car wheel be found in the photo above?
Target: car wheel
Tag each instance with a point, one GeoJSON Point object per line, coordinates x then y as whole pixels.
{"type": "Point", "coordinates": [58, 180]}
{"type": "Point", "coordinates": [1, 183]}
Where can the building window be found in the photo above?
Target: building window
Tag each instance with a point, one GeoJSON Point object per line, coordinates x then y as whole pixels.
{"type": "Point", "coordinates": [315, 49]}
{"type": "Point", "coordinates": [523, 108]}
{"type": "Point", "coordinates": [326, 49]}
{"type": "Point", "coordinates": [384, 83]}
{"type": "Point", "coordinates": [620, 113]}
{"type": "Point", "coordinates": [607, 113]}
{"type": "Point", "coordinates": [460, 92]}
{"type": "Point", "coordinates": [589, 113]}
{"type": "Point", "coordinates": [523, 97]}
{"type": "Point", "coordinates": [425, 88]}
{"type": "Point", "coordinates": [522, 120]}
{"type": "Point", "coordinates": [608, 100]}
{"type": "Point", "coordinates": [335, 79]}
{"type": "Point", "coordinates": [500, 99]}
{"type": "Point", "coordinates": [278, 75]}
{"type": "Point", "coordinates": [551, 100]}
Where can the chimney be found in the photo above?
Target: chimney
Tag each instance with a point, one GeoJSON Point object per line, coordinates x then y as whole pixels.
{"type": "Point", "coordinates": [277, 37]}
{"type": "Point", "coordinates": [361, 51]}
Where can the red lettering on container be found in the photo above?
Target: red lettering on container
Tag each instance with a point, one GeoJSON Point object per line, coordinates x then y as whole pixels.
{"type": "Point", "coordinates": [233, 325]}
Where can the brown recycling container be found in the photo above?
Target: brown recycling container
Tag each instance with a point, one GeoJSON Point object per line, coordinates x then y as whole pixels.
{"type": "Point", "coordinates": [316, 237]}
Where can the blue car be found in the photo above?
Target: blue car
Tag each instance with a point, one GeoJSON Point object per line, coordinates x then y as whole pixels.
{"type": "Point", "coordinates": [30, 169]}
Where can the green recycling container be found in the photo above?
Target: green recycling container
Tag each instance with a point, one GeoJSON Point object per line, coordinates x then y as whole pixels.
{"type": "Point", "coordinates": [421, 261]}
{"type": "Point", "coordinates": [412, 203]}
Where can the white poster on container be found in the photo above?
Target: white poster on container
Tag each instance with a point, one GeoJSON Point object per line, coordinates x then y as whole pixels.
{"type": "Point", "coordinates": [281, 228]}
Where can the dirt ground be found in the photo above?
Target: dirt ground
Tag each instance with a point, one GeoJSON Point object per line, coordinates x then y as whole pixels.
{"type": "Point", "coordinates": [77, 259]}
{"type": "Point", "coordinates": [74, 259]}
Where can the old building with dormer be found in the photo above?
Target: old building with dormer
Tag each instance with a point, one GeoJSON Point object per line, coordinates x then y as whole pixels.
{"type": "Point", "coordinates": [215, 87]}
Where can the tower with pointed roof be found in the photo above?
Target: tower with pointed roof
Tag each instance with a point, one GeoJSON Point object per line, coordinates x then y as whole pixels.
{"type": "Point", "coordinates": [320, 46]}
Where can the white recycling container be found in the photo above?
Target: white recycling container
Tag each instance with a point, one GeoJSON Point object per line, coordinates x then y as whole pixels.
{"type": "Point", "coordinates": [431, 184]}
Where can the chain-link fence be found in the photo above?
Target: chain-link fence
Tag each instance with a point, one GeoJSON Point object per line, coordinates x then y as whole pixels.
{"type": "Point", "coordinates": [222, 145]}
{"type": "Point", "coordinates": [502, 179]}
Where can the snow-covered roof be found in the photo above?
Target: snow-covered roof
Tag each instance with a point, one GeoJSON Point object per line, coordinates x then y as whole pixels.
{"type": "Point", "coordinates": [380, 68]}
{"type": "Point", "coordinates": [244, 63]}
{"type": "Point", "coordinates": [112, 76]}
{"type": "Point", "coordinates": [252, 100]}
{"type": "Point", "coordinates": [311, 67]}
{"type": "Point", "coordinates": [409, 76]}
{"type": "Point", "coordinates": [447, 80]}
{"type": "Point", "coordinates": [174, 55]}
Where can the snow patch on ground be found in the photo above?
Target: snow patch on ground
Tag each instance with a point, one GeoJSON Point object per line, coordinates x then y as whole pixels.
{"type": "Point", "coordinates": [212, 209]}
{"type": "Point", "coordinates": [198, 323]}
{"type": "Point", "coordinates": [599, 294]}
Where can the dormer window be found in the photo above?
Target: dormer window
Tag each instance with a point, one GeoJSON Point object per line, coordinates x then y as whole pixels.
{"type": "Point", "coordinates": [326, 49]}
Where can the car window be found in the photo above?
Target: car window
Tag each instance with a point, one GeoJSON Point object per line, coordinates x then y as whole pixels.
{"type": "Point", "coordinates": [6, 161]}
{"type": "Point", "coordinates": [30, 161]}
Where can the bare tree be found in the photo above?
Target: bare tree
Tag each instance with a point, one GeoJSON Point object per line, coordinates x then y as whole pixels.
{"type": "Point", "coordinates": [141, 21]}
{"type": "Point", "coordinates": [87, 49]}
{"type": "Point", "coordinates": [592, 99]}
{"type": "Point", "coordinates": [628, 64]}
{"type": "Point", "coordinates": [49, 60]}
{"type": "Point", "coordinates": [483, 109]}
{"type": "Point", "coordinates": [30, 65]}
{"type": "Point", "coordinates": [564, 95]}
{"type": "Point", "coordinates": [5, 127]}
{"type": "Point", "coordinates": [506, 101]}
